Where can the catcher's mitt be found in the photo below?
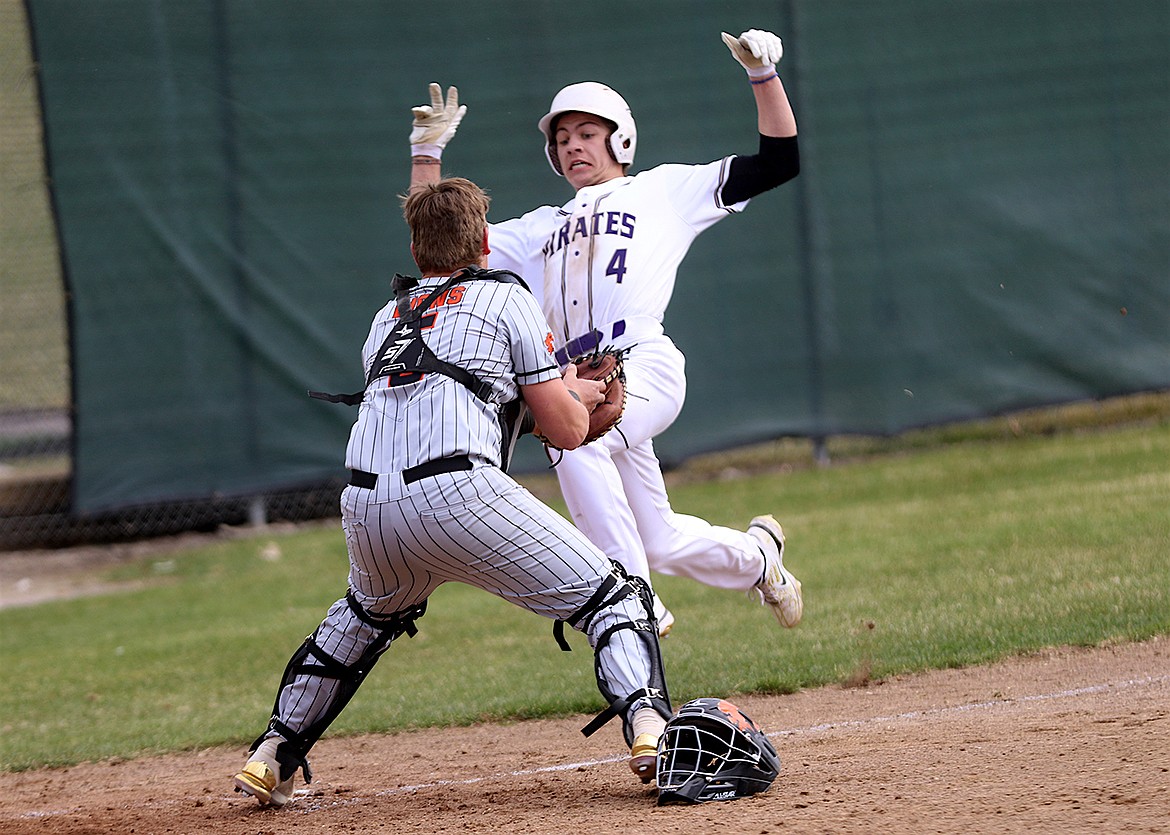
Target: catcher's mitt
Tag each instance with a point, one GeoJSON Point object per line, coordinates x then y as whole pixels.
{"type": "Point", "coordinates": [606, 366]}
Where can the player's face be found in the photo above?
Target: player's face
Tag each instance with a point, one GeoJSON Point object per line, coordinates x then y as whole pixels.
{"type": "Point", "coordinates": [582, 144]}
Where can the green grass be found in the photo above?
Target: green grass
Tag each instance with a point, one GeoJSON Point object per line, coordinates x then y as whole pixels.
{"type": "Point", "coordinates": [947, 556]}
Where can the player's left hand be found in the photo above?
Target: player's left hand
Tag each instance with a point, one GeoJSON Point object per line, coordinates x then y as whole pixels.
{"type": "Point", "coordinates": [435, 123]}
{"type": "Point", "coordinates": [755, 49]}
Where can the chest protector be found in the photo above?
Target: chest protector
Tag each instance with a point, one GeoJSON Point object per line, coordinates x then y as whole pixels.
{"type": "Point", "coordinates": [404, 357]}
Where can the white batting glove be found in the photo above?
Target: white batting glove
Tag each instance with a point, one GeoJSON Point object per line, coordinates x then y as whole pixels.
{"type": "Point", "coordinates": [435, 123]}
{"type": "Point", "coordinates": [757, 51]}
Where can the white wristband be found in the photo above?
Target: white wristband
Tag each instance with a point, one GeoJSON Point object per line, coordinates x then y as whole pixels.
{"type": "Point", "coordinates": [760, 72]}
{"type": "Point", "coordinates": [423, 150]}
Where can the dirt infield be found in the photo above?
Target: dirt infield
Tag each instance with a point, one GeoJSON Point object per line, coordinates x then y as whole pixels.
{"type": "Point", "coordinates": [1069, 740]}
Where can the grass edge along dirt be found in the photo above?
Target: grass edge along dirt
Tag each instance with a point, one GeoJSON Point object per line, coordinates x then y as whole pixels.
{"type": "Point", "coordinates": [950, 555]}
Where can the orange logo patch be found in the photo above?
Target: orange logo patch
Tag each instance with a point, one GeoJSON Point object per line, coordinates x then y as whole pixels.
{"type": "Point", "coordinates": [738, 719]}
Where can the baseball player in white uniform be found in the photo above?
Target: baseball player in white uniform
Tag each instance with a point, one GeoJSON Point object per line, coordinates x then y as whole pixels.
{"type": "Point", "coordinates": [606, 262]}
{"type": "Point", "coordinates": [450, 365]}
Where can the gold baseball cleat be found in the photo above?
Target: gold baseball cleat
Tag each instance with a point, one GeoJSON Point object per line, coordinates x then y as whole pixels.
{"type": "Point", "coordinates": [644, 757]}
{"type": "Point", "coordinates": [260, 781]}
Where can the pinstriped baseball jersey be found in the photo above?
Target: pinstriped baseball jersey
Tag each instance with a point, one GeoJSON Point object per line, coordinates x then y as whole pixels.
{"type": "Point", "coordinates": [613, 251]}
{"type": "Point", "coordinates": [494, 330]}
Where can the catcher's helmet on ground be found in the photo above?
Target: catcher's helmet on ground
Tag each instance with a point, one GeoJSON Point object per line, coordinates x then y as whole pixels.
{"type": "Point", "coordinates": [599, 100]}
{"type": "Point", "coordinates": [710, 750]}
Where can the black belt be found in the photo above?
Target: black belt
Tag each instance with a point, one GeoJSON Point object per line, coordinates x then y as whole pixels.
{"type": "Point", "coordinates": [360, 478]}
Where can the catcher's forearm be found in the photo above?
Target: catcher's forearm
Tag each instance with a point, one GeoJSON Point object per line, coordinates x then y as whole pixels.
{"type": "Point", "coordinates": [560, 418]}
{"type": "Point", "coordinates": [600, 381]}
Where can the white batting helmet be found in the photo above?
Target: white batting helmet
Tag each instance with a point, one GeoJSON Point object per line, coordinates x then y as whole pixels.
{"type": "Point", "coordinates": [599, 100]}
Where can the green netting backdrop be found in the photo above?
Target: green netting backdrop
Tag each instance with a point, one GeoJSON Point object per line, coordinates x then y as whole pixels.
{"type": "Point", "coordinates": [982, 222]}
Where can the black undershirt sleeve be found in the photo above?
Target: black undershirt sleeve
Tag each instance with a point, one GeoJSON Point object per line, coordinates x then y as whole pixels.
{"type": "Point", "coordinates": [777, 162]}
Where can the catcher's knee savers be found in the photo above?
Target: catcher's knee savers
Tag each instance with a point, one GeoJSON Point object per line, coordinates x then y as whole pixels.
{"type": "Point", "coordinates": [616, 588]}
{"type": "Point", "coordinates": [311, 660]}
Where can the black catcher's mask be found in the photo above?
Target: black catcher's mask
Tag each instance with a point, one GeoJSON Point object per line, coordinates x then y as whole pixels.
{"type": "Point", "coordinates": [710, 750]}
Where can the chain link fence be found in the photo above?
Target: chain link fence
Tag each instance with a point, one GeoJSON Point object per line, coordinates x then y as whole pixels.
{"type": "Point", "coordinates": [35, 426]}
{"type": "Point", "coordinates": [34, 375]}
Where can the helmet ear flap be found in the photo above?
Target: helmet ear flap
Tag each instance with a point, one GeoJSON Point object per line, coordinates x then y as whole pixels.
{"type": "Point", "coordinates": [550, 153]}
{"type": "Point", "coordinates": [621, 146]}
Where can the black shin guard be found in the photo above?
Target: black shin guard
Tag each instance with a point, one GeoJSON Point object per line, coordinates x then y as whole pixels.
{"type": "Point", "coordinates": [655, 692]}
{"type": "Point", "coordinates": [311, 660]}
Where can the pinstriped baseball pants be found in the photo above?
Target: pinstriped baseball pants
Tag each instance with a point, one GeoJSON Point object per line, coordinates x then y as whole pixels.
{"type": "Point", "coordinates": [478, 527]}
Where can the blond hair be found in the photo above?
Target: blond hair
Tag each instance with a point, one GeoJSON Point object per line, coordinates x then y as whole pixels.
{"type": "Point", "coordinates": [447, 221]}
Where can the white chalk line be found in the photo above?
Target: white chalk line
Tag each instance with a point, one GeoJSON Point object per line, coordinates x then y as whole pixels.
{"type": "Point", "coordinates": [312, 807]}
{"type": "Point", "coordinates": [812, 729]}
{"type": "Point", "coordinates": [970, 706]}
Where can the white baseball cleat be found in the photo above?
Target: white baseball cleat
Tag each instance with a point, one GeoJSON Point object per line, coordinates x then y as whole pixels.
{"type": "Point", "coordinates": [777, 587]}
{"type": "Point", "coordinates": [664, 617]}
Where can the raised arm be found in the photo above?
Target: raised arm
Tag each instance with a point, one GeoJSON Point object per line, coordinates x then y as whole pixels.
{"type": "Point", "coordinates": [434, 125]}
{"type": "Point", "coordinates": [778, 160]}
{"type": "Point", "coordinates": [758, 52]}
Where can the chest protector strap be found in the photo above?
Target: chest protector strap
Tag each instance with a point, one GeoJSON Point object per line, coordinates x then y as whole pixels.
{"type": "Point", "coordinates": [404, 353]}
